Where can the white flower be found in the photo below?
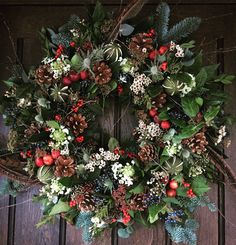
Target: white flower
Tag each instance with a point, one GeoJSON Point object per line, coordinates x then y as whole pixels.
{"type": "Point", "coordinates": [180, 51]}
{"type": "Point", "coordinates": [140, 83]}
{"type": "Point", "coordinates": [221, 134]}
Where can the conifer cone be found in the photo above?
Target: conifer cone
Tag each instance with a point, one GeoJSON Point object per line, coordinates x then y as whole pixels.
{"type": "Point", "coordinates": [65, 166]}
{"type": "Point", "coordinates": [147, 153]}
{"type": "Point", "coordinates": [77, 122]}
{"type": "Point", "coordinates": [140, 46]}
{"type": "Point", "coordinates": [86, 202]}
{"type": "Point", "coordinates": [197, 143]}
{"type": "Point", "coordinates": [160, 100]}
{"type": "Point", "coordinates": [43, 75]}
{"type": "Point", "coordinates": [138, 202]}
{"type": "Point", "coordinates": [102, 72]}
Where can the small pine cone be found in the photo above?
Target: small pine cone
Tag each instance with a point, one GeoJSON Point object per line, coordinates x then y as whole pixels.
{"type": "Point", "coordinates": [142, 115]}
{"type": "Point", "coordinates": [65, 166]}
{"type": "Point", "coordinates": [140, 46]}
{"type": "Point", "coordinates": [197, 143]}
{"type": "Point", "coordinates": [43, 75]}
{"type": "Point", "coordinates": [85, 202]}
{"type": "Point", "coordinates": [102, 72]}
{"type": "Point", "coordinates": [77, 122]}
{"type": "Point", "coordinates": [31, 130]}
{"type": "Point", "coordinates": [138, 202]}
{"type": "Point", "coordinates": [160, 100]}
{"type": "Point", "coordinates": [147, 153]}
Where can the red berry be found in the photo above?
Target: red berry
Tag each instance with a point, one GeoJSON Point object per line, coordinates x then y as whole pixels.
{"type": "Point", "coordinates": [48, 160]}
{"type": "Point", "coordinates": [58, 117]}
{"type": "Point", "coordinates": [55, 154]}
{"type": "Point", "coordinates": [153, 112]}
{"type": "Point", "coordinates": [163, 66]}
{"type": "Point", "coordinates": [171, 193]}
{"type": "Point", "coordinates": [74, 76]}
{"type": "Point", "coordinates": [39, 162]}
{"type": "Point", "coordinates": [84, 75]}
{"type": "Point", "coordinates": [80, 139]}
{"type": "Point", "coordinates": [173, 184]}
{"type": "Point", "coordinates": [80, 103]}
{"type": "Point", "coordinates": [162, 50]}
{"type": "Point", "coordinates": [153, 54]}
{"type": "Point", "coordinates": [67, 81]}
{"type": "Point", "coordinates": [72, 44]}
{"type": "Point", "coordinates": [186, 184]}
{"type": "Point", "coordinates": [165, 124]}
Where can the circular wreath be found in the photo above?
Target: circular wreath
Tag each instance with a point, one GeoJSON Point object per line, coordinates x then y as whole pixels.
{"type": "Point", "coordinates": [163, 171]}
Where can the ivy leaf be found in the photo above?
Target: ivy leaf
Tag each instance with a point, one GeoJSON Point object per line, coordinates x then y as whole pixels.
{"type": "Point", "coordinates": [211, 113]}
{"type": "Point", "coordinates": [154, 211]}
{"type": "Point", "coordinates": [190, 106]}
{"type": "Point", "coordinates": [113, 144]}
{"type": "Point", "coordinates": [60, 207]}
{"type": "Point", "coordinates": [199, 185]}
{"type": "Point", "coordinates": [53, 124]}
{"type": "Point", "coordinates": [137, 189]}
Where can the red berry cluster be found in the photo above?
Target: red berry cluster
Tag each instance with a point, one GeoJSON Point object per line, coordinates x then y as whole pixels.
{"type": "Point", "coordinates": [154, 53]}
{"type": "Point", "coordinates": [79, 139]}
{"type": "Point", "coordinates": [79, 104]}
{"type": "Point", "coordinates": [72, 203]}
{"type": "Point", "coordinates": [189, 192]}
{"type": "Point", "coordinates": [120, 89]}
{"type": "Point", "coordinates": [154, 114]}
{"type": "Point", "coordinates": [151, 33]}
{"type": "Point", "coordinates": [59, 51]}
{"type": "Point", "coordinates": [121, 152]}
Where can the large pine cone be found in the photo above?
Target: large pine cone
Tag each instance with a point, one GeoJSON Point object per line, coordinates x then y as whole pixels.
{"type": "Point", "coordinates": [43, 75]}
{"type": "Point", "coordinates": [102, 72]}
{"type": "Point", "coordinates": [197, 143]}
{"type": "Point", "coordinates": [147, 153]}
{"type": "Point", "coordinates": [140, 46]}
{"type": "Point", "coordinates": [85, 202]}
{"type": "Point", "coordinates": [65, 166]}
{"type": "Point", "coordinates": [77, 122]}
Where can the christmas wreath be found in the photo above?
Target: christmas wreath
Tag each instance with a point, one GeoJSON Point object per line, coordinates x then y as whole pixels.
{"type": "Point", "coordinates": [164, 170]}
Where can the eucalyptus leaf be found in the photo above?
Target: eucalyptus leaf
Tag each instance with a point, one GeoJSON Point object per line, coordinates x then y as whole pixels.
{"type": "Point", "coordinates": [126, 30]}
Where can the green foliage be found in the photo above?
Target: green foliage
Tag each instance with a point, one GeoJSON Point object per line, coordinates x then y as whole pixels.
{"type": "Point", "coordinates": [183, 233]}
{"type": "Point", "coordinates": [190, 106]}
{"type": "Point", "coordinates": [84, 221]}
{"type": "Point", "coordinates": [60, 207]}
{"type": "Point", "coordinates": [113, 144]}
{"type": "Point", "coordinates": [211, 113]}
{"type": "Point", "coordinates": [11, 187]}
{"type": "Point", "coordinates": [174, 165]}
{"type": "Point", "coordinates": [125, 232]}
{"type": "Point", "coordinates": [200, 185]}
{"type": "Point", "coordinates": [155, 210]}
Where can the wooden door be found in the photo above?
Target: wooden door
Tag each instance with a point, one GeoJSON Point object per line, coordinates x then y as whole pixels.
{"type": "Point", "coordinates": [217, 37]}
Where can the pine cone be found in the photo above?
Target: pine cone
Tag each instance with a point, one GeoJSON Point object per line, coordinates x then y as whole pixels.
{"type": "Point", "coordinates": [31, 130]}
{"type": "Point", "coordinates": [85, 202]}
{"type": "Point", "coordinates": [65, 166]}
{"type": "Point", "coordinates": [138, 202]}
{"type": "Point", "coordinates": [77, 122]}
{"type": "Point", "coordinates": [142, 115]}
{"type": "Point", "coordinates": [43, 75]}
{"type": "Point", "coordinates": [160, 100]}
{"type": "Point", "coordinates": [102, 72]}
{"type": "Point", "coordinates": [147, 153]}
{"type": "Point", "coordinates": [140, 46]}
{"type": "Point", "coordinates": [197, 143]}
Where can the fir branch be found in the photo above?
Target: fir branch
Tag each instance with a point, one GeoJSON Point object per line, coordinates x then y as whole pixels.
{"type": "Point", "coordinates": [163, 13]}
{"type": "Point", "coordinates": [183, 29]}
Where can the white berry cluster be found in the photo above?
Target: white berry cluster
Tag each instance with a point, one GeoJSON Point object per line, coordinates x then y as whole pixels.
{"type": "Point", "coordinates": [100, 159]}
{"type": "Point", "coordinates": [125, 173]}
{"type": "Point", "coordinates": [53, 190]}
{"type": "Point", "coordinates": [221, 134]}
{"type": "Point", "coordinates": [140, 83]}
{"type": "Point", "coordinates": [157, 181]}
{"type": "Point", "coordinates": [179, 51]}
{"type": "Point", "coordinates": [59, 67]}
{"type": "Point", "coordinates": [147, 131]}
{"type": "Point", "coordinates": [172, 148]}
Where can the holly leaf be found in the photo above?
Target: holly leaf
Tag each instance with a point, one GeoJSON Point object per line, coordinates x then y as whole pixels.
{"type": "Point", "coordinates": [113, 144]}
{"type": "Point", "coordinates": [200, 185]}
{"type": "Point", "coordinates": [53, 124]}
{"type": "Point", "coordinates": [60, 207]}
{"type": "Point", "coordinates": [190, 106]}
{"type": "Point", "coordinates": [211, 113]}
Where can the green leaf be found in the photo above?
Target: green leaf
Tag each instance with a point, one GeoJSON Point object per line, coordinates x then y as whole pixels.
{"type": "Point", "coordinates": [113, 144]}
{"type": "Point", "coordinates": [174, 165]}
{"type": "Point", "coordinates": [190, 106]}
{"type": "Point", "coordinates": [154, 211]}
{"type": "Point", "coordinates": [225, 79]}
{"type": "Point", "coordinates": [53, 124]}
{"type": "Point", "coordinates": [76, 60]}
{"type": "Point", "coordinates": [201, 78]}
{"type": "Point", "coordinates": [60, 207]}
{"type": "Point", "coordinates": [113, 85]}
{"type": "Point", "coordinates": [171, 200]}
{"type": "Point", "coordinates": [200, 185]}
{"type": "Point", "coordinates": [211, 113]}
{"type": "Point", "coordinates": [137, 189]}
{"type": "Point", "coordinates": [163, 116]}
{"type": "Point", "coordinates": [199, 100]}
{"type": "Point", "coordinates": [181, 191]}
{"type": "Point", "coordinates": [123, 233]}
{"type": "Point", "coordinates": [211, 71]}
{"type": "Point", "coordinates": [99, 13]}
{"type": "Point", "coordinates": [9, 82]}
